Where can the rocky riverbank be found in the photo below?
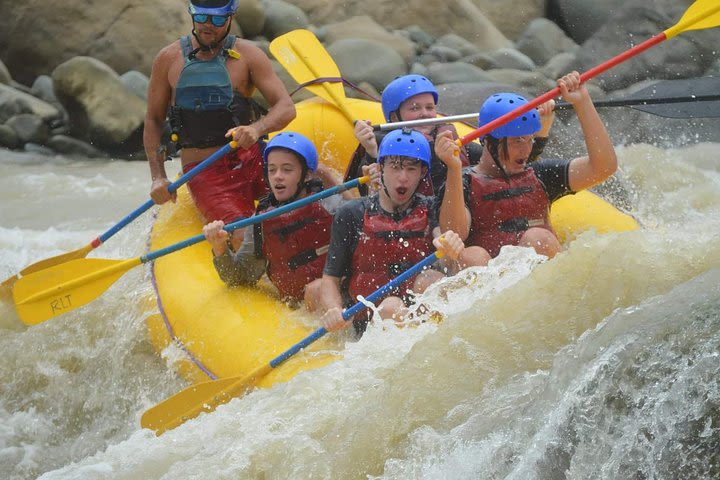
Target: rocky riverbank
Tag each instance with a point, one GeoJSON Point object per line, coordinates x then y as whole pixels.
{"type": "Point", "coordinates": [73, 78]}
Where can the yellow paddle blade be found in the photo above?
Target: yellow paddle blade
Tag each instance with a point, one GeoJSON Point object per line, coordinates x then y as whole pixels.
{"type": "Point", "coordinates": [59, 289]}
{"type": "Point", "coordinates": [305, 59]}
{"type": "Point", "coordinates": [701, 15]}
{"type": "Point", "coordinates": [7, 285]}
{"type": "Point", "coordinates": [199, 398]}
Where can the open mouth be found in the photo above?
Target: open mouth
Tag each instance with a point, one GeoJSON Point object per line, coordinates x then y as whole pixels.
{"type": "Point", "coordinates": [401, 191]}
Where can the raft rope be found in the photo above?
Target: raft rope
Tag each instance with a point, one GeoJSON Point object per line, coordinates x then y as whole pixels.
{"type": "Point", "coordinates": [161, 308]}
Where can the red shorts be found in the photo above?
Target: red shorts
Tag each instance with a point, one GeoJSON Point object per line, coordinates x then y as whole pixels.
{"type": "Point", "coordinates": [227, 189]}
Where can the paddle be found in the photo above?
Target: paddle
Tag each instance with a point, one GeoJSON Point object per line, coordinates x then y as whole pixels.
{"type": "Point", "coordinates": [294, 50]}
{"type": "Point", "coordinates": [48, 293]}
{"type": "Point", "coordinates": [207, 396]}
{"type": "Point", "coordinates": [687, 98]}
{"type": "Point", "coordinates": [82, 252]}
{"type": "Point", "coordinates": [702, 14]}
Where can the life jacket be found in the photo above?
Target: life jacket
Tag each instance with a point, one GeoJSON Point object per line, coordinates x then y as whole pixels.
{"type": "Point", "coordinates": [206, 106]}
{"type": "Point", "coordinates": [294, 244]}
{"type": "Point", "coordinates": [387, 248]}
{"type": "Point", "coordinates": [503, 209]}
{"type": "Point", "coordinates": [429, 185]}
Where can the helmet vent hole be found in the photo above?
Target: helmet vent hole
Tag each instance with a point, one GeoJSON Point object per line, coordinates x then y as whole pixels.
{"type": "Point", "coordinates": [512, 101]}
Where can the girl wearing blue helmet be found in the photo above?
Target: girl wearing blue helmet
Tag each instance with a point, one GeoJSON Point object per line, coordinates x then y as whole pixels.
{"type": "Point", "coordinates": [375, 238]}
{"type": "Point", "coordinates": [290, 248]}
{"type": "Point", "coordinates": [504, 201]}
{"type": "Point", "coordinates": [410, 97]}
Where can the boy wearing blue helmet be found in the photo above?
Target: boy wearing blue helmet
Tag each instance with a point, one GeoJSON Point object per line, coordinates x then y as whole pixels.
{"type": "Point", "coordinates": [504, 201]}
{"type": "Point", "coordinates": [205, 82]}
{"type": "Point", "coordinates": [410, 97]}
{"type": "Point", "coordinates": [290, 248]}
{"type": "Point", "coordinates": [375, 238]}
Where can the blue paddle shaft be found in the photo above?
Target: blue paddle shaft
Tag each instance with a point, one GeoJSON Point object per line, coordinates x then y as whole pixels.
{"type": "Point", "coordinates": [254, 219]}
{"type": "Point", "coordinates": [350, 312]}
{"type": "Point", "coordinates": [171, 188]}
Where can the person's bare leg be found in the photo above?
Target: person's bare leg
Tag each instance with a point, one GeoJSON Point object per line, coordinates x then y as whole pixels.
{"type": "Point", "coordinates": [312, 295]}
{"type": "Point", "coordinates": [542, 240]}
{"type": "Point", "coordinates": [474, 257]}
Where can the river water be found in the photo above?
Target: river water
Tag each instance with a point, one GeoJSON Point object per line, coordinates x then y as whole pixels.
{"type": "Point", "coordinates": [602, 363]}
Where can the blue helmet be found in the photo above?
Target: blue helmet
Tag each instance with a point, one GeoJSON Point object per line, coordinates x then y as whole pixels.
{"type": "Point", "coordinates": [296, 143]}
{"type": "Point", "coordinates": [405, 143]}
{"type": "Point", "coordinates": [402, 88]}
{"type": "Point", "coordinates": [500, 104]}
{"type": "Point", "coordinates": [212, 7]}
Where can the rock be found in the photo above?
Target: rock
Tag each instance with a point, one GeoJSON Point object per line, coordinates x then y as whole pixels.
{"type": "Point", "coordinates": [543, 39]}
{"type": "Point", "coordinates": [511, 16]}
{"type": "Point", "coordinates": [102, 110]}
{"type": "Point", "coordinates": [5, 77]}
{"type": "Point", "coordinates": [250, 16]}
{"type": "Point", "coordinates": [125, 34]}
{"type": "Point", "coordinates": [481, 60]}
{"type": "Point", "coordinates": [26, 103]}
{"type": "Point", "coordinates": [558, 65]}
{"type": "Point", "coordinates": [511, 58]}
{"type": "Point", "coordinates": [687, 55]}
{"type": "Point", "coordinates": [419, 36]}
{"type": "Point", "coordinates": [73, 146]}
{"type": "Point", "coordinates": [364, 27]}
{"type": "Point", "coordinates": [458, 44]}
{"type": "Point", "coordinates": [38, 149]}
{"type": "Point", "coordinates": [136, 82]}
{"type": "Point", "coordinates": [534, 82]}
{"type": "Point", "coordinates": [441, 53]}
{"type": "Point", "coordinates": [582, 18]}
{"type": "Point", "coordinates": [44, 89]}
{"type": "Point", "coordinates": [419, 69]}
{"type": "Point", "coordinates": [461, 16]}
{"type": "Point", "coordinates": [9, 138]}
{"type": "Point", "coordinates": [456, 72]}
{"type": "Point", "coordinates": [463, 98]}
{"type": "Point", "coordinates": [29, 128]}
{"type": "Point", "coordinates": [282, 17]}
{"type": "Point", "coordinates": [372, 93]}
{"type": "Point", "coordinates": [367, 61]}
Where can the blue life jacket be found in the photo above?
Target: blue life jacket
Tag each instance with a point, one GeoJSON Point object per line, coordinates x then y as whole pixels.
{"type": "Point", "coordinates": [206, 106]}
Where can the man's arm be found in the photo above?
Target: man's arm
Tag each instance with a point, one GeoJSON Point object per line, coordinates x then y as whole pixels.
{"type": "Point", "coordinates": [158, 99]}
{"type": "Point", "coordinates": [282, 108]}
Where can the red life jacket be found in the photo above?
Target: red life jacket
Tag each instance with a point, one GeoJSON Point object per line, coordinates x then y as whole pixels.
{"type": "Point", "coordinates": [502, 210]}
{"type": "Point", "coordinates": [295, 245]}
{"type": "Point", "coordinates": [387, 248]}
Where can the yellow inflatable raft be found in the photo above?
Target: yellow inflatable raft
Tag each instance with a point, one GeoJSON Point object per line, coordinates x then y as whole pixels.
{"type": "Point", "coordinates": [226, 332]}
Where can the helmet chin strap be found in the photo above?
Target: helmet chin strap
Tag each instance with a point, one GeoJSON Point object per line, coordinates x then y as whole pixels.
{"type": "Point", "coordinates": [492, 145]}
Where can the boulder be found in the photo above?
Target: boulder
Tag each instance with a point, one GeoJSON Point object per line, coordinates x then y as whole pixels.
{"type": "Point", "coordinates": [543, 39]}
{"type": "Point", "coordinates": [534, 82]}
{"type": "Point", "coordinates": [367, 61]}
{"type": "Point", "coordinates": [582, 18]}
{"type": "Point", "coordinates": [463, 98]}
{"type": "Point", "coordinates": [9, 138]}
{"type": "Point", "coordinates": [456, 72]}
{"type": "Point", "coordinates": [463, 17]}
{"type": "Point", "coordinates": [364, 27]}
{"type": "Point", "coordinates": [5, 77]}
{"type": "Point", "coordinates": [684, 56]}
{"type": "Point", "coordinates": [125, 34]}
{"type": "Point", "coordinates": [282, 17]}
{"type": "Point", "coordinates": [102, 110]}
{"type": "Point", "coordinates": [136, 82]}
{"type": "Point", "coordinates": [511, 58]}
{"type": "Point", "coordinates": [250, 16]}
{"type": "Point", "coordinates": [15, 101]}
{"type": "Point", "coordinates": [29, 128]}
{"type": "Point", "coordinates": [73, 146]}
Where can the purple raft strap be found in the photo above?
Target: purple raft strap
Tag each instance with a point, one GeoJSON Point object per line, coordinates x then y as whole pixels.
{"type": "Point", "coordinates": [166, 321]}
{"type": "Point", "coordinates": [335, 80]}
